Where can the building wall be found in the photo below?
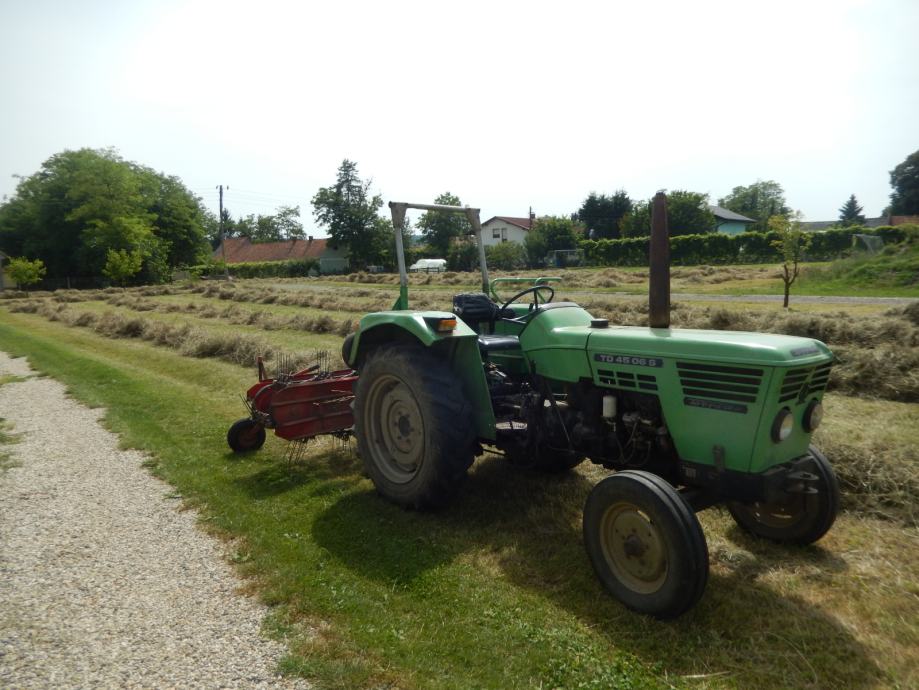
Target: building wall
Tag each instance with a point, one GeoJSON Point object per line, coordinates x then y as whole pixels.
{"type": "Point", "coordinates": [505, 233]}
{"type": "Point", "coordinates": [732, 227]}
{"type": "Point", "coordinates": [333, 260]}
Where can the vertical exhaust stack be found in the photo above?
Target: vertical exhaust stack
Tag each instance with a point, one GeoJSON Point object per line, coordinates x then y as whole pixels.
{"type": "Point", "coordinates": [659, 280]}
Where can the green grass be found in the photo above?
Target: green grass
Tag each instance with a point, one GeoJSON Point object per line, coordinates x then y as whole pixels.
{"type": "Point", "coordinates": [496, 591]}
{"type": "Point", "coordinates": [892, 272]}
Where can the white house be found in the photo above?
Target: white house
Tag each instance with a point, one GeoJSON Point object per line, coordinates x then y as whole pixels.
{"type": "Point", "coordinates": [506, 229]}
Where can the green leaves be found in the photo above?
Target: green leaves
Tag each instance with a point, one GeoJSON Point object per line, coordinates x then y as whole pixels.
{"type": "Point", "coordinates": [440, 229]}
{"type": "Point", "coordinates": [81, 204]}
{"type": "Point", "coordinates": [350, 214]}
{"type": "Point", "coordinates": [905, 182]}
{"type": "Point", "coordinates": [760, 200]}
{"type": "Point", "coordinates": [602, 214]}
{"type": "Point", "coordinates": [25, 272]}
{"type": "Point", "coordinates": [851, 213]}
{"type": "Point", "coordinates": [121, 265]}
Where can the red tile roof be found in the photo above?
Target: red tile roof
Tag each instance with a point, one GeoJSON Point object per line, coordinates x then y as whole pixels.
{"type": "Point", "coordinates": [525, 223]}
{"type": "Point", "coordinates": [242, 250]}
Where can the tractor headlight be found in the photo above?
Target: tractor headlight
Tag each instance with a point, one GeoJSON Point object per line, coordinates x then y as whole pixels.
{"type": "Point", "coordinates": [783, 425]}
{"type": "Point", "coordinates": [813, 415]}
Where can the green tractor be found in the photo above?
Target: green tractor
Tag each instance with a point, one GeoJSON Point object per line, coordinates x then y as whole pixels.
{"type": "Point", "coordinates": [686, 419]}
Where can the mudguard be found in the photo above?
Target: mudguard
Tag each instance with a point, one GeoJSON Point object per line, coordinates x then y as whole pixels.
{"type": "Point", "coordinates": [459, 347]}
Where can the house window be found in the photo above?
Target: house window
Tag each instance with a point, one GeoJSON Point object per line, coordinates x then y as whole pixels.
{"type": "Point", "coordinates": [496, 233]}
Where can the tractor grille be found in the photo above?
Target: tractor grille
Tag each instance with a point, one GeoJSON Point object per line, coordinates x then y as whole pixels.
{"type": "Point", "coordinates": [803, 382]}
{"type": "Point", "coordinates": [627, 379]}
{"type": "Point", "coordinates": [716, 382]}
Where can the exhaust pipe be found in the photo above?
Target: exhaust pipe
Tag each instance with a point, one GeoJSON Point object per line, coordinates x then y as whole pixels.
{"type": "Point", "coordinates": [659, 278]}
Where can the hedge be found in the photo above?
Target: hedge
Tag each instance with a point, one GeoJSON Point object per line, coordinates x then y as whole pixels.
{"type": "Point", "coordinates": [747, 247]}
{"type": "Point", "coordinates": [260, 269]}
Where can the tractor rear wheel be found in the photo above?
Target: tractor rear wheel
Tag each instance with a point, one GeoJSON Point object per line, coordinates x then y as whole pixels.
{"type": "Point", "coordinates": [413, 426]}
{"type": "Point", "coordinates": [803, 518]}
{"type": "Point", "coordinates": [245, 435]}
{"type": "Point", "coordinates": [646, 544]}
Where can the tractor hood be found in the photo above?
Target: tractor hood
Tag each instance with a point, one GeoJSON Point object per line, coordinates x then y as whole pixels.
{"type": "Point", "coordinates": [736, 347]}
{"type": "Point", "coordinates": [570, 329]}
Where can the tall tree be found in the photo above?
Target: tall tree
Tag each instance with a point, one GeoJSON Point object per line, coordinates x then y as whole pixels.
{"type": "Point", "coordinates": [439, 228]}
{"type": "Point", "coordinates": [601, 214]}
{"type": "Point", "coordinates": [759, 201]}
{"type": "Point", "coordinates": [904, 200]}
{"type": "Point", "coordinates": [81, 204]}
{"type": "Point", "coordinates": [687, 214]}
{"type": "Point", "coordinates": [349, 212]}
{"type": "Point", "coordinates": [851, 213]}
{"type": "Point", "coordinates": [549, 233]}
{"type": "Point", "coordinates": [284, 224]}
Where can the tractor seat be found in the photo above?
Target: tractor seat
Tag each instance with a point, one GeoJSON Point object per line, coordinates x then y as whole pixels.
{"type": "Point", "coordinates": [498, 343]}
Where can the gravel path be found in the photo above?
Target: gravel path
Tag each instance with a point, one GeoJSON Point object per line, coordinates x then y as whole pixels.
{"type": "Point", "coordinates": [103, 581]}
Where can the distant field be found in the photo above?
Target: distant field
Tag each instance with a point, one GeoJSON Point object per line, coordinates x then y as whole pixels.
{"type": "Point", "coordinates": [497, 591]}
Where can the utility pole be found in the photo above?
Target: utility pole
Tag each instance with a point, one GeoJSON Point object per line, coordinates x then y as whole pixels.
{"type": "Point", "coordinates": [223, 246]}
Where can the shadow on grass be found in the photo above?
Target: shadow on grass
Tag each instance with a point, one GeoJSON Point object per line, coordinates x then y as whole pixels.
{"type": "Point", "coordinates": [529, 528]}
{"type": "Point", "coordinates": [327, 472]}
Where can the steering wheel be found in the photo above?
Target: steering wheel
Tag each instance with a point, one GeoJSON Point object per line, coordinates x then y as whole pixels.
{"type": "Point", "coordinates": [535, 290]}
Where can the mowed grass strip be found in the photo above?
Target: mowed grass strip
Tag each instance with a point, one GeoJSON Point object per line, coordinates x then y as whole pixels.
{"type": "Point", "coordinates": [495, 591]}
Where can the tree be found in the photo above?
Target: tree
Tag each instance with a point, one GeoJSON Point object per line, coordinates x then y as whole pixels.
{"type": "Point", "coordinates": [506, 256]}
{"type": "Point", "coordinates": [904, 200]}
{"type": "Point", "coordinates": [283, 225]}
{"type": "Point", "coordinates": [687, 214]}
{"type": "Point", "coordinates": [759, 201]}
{"type": "Point", "coordinates": [26, 272]}
{"type": "Point", "coordinates": [549, 233]}
{"type": "Point", "coordinates": [851, 213]}
{"type": "Point", "coordinates": [82, 203]}
{"type": "Point", "coordinates": [601, 214]}
{"type": "Point", "coordinates": [122, 265]}
{"type": "Point", "coordinates": [440, 228]}
{"type": "Point", "coordinates": [791, 245]}
{"type": "Point", "coordinates": [349, 213]}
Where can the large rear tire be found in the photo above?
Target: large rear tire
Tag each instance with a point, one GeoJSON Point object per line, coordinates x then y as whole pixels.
{"type": "Point", "coordinates": [803, 518]}
{"type": "Point", "coordinates": [413, 426]}
{"type": "Point", "coordinates": [646, 544]}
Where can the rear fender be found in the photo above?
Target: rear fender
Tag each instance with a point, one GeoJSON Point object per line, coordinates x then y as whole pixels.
{"type": "Point", "coordinates": [459, 348]}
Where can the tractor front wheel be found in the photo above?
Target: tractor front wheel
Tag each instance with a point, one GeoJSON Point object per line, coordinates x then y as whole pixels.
{"type": "Point", "coordinates": [646, 544]}
{"type": "Point", "coordinates": [413, 426]}
{"type": "Point", "coordinates": [802, 518]}
{"type": "Point", "coordinates": [245, 435]}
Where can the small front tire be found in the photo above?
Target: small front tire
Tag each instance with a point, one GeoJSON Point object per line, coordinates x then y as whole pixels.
{"type": "Point", "coordinates": [646, 544]}
{"type": "Point", "coordinates": [803, 518]}
{"type": "Point", "coordinates": [246, 435]}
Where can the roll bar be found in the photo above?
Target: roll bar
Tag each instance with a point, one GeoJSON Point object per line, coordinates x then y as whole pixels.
{"type": "Point", "coordinates": [398, 209]}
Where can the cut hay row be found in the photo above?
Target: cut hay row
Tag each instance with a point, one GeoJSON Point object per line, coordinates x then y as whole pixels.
{"type": "Point", "coordinates": [234, 314]}
{"type": "Point", "coordinates": [187, 340]}
{"type": "Point", "coordinates": [876, 479]}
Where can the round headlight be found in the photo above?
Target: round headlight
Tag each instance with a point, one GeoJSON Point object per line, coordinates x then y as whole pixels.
{"type": "Point", "coordinates": [813, 415]}
{"type": "Point", "coordinates": [782, 426]}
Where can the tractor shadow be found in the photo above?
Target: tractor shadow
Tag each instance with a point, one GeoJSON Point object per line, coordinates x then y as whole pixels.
{"type": "Point", "coordinates": [326, 471]}
{"type": "Point", "coordinates": [526, 528]}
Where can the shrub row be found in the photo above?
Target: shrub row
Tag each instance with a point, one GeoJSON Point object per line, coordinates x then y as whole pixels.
{"type": "Point", "coordinates": [747, 247]}
{"type": "Point", "coordinates": [260, 269]}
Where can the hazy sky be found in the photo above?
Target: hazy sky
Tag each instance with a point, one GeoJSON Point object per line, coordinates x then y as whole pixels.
{"type": "Point", "coordinates": [507, 104]}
